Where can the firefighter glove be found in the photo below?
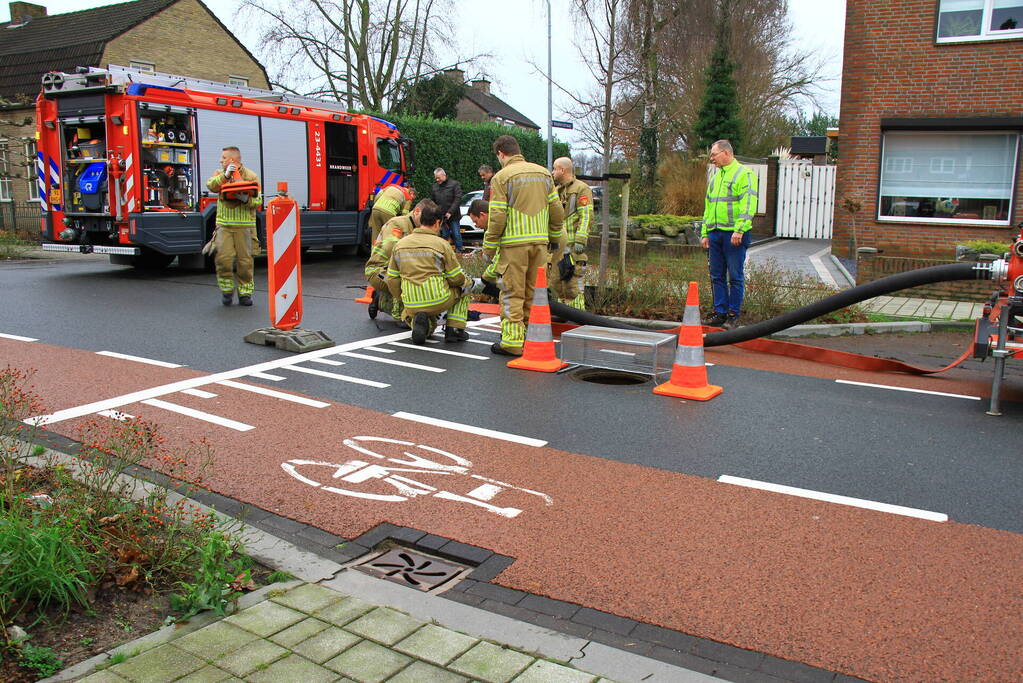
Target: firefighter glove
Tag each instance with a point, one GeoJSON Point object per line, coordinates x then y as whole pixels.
{"type": "Point", "coordinates": [578, 247]}
{"type": "Point", "coordinates": [552, 247]}
{"type": "Point", "coordinates": [566, 268]}
{"type": "Point", "coordinates": [478, 286]}
{"type": "Point", "coordinates": [231, 168]}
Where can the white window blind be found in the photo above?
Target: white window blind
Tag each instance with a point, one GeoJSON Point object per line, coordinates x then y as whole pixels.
{"type": "Point", "coordinates": [966, 165]}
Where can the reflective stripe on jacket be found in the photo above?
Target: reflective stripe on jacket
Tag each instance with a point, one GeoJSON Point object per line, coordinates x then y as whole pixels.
{"type": "Point", "coordinates": [731, 200]}
{"type": "Point", "coordinates": [524, 206]}
{"type": "Point", "coordinates": [389, 200]}
{"type": "Point", "coordinates": [393, 230]}
{"type": "Point", "coordinates": [578, 200]}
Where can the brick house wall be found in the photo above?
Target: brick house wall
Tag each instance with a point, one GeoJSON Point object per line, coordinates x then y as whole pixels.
{"type": "Point", "coordinates": [185, 39]}
{"type": "Point", "coordinates": [893, 68]}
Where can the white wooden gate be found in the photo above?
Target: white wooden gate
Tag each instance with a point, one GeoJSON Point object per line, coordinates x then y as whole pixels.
{"type": "Point", "coordinates": [806, 200]}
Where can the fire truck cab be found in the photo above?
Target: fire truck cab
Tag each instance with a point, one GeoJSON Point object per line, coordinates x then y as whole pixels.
{"type": "Point", "coordinates": [124, 155]}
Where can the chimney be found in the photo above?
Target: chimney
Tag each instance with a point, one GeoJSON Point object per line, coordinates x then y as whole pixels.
{"type": "Point", "coordinates": [24, 11]}
{"type": "Point", "coordinates": [455, 74]}
{"type": "Point", "coordinates": [482, 84]}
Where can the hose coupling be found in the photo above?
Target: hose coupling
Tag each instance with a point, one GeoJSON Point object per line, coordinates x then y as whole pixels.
{"type": "Point", "coordinates": [997, 270]}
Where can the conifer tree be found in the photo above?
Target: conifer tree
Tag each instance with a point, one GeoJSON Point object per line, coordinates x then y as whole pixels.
{"type": "Point", "coordinates": [719, 112]}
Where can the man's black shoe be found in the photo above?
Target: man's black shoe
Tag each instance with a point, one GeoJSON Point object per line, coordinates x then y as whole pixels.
{"type": "Point", "coordinates": [374, 305]}
{"type": "Point", "coordinates": [244, 300]}
{"type": "Point", "coordinates": [500, 350]}
{"type": "Point", "coordinates": [420, 328]}
{"type": "Point", "coordinates": [731, 321]}
{"type": "Point", "coordinates": [226, 298]}
{"type": "Point", "coordinates": [452, 334]}
{"type": "Point", "coordinates": [716, 320]}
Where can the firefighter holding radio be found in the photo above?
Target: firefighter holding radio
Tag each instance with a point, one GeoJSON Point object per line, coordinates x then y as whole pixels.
{"type": "Point", "coordinates": [238, 200]}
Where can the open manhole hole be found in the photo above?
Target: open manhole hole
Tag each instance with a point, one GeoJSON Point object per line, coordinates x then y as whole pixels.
{"type": "Point", "coordinates": [610, 377]}
{"type": "Point", "coordinates": [422, 572]}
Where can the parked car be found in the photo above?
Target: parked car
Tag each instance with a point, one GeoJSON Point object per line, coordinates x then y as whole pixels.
{"type": "Point", "coordinates": [466, 222]}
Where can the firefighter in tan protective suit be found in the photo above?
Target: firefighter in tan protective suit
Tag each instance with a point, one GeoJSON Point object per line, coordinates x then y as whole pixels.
{"type": "Point", "coordinates": [380, 256]}
{"type": "Point", "coordinates": [525, 217]}
{"type": "Point", "coordinates": [426, 274]}
{"type": "Point", "coordinates": [236, 228]}
{"type": "Point", "coordinates": [569, 266]}
{"type": "Point", "coordinates": [389, 202]}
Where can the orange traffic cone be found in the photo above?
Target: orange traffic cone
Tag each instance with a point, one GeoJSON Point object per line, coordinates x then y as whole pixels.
{"type": "Point", "coordinates": [689, 373]}
{"type": "Point", "coordinates": [366, 298]}
{"type": "Point", "coordinates": [538, 352]}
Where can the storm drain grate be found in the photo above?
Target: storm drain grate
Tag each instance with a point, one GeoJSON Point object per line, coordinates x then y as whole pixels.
{"type": "Point", "coordinates": [408, 568]}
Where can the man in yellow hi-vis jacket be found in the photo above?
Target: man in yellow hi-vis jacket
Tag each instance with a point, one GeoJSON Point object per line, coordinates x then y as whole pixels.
{"type": "Point", "coordinates": [729, 207]}
{"type": "Point", "coordinates": [525, 220]}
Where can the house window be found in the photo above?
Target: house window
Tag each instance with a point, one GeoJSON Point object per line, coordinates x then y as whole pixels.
{"type": "Point", "coordinates": [243, 81]}
{"type": "Point", "coordinates": [965, 20]}
{"type": "Point", "coordinates": [30, 170]}
{"type": "Point", "coordinates": [145, 67]}
{"type": "Point", "coordinates": [940, 177]}
{"type": "Point", "coordinates": [6, 194]}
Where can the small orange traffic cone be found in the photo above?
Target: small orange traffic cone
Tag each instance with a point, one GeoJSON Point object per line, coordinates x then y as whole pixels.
{"type": "Point", "coordinates": [689, 373]}
{"type": "Point", "coordinates": [538, 352]}
{"type": "Point", "coordinates": [366, 298]}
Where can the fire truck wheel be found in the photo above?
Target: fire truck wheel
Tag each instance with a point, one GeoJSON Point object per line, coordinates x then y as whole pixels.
{"type": "Point", "coordinates": [152, 260]}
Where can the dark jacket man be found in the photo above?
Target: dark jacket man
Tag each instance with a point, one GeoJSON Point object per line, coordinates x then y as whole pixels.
{"type": "Point", "coordinates": [447, 194]}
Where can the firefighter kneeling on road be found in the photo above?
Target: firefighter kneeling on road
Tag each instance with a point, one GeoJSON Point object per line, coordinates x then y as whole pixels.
{"type": "Point", "coordinates": [380, 256]}
{"type": "Point", "coordinates": [425, 273]}
{"type": "Point", "coordinates": [236, 227]}
{"type": "Point", "coordinates": [569, 266]}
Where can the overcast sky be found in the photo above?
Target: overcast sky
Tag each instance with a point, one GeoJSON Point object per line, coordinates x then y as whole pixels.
{"type": "Point", "coordinates": [519, 38]}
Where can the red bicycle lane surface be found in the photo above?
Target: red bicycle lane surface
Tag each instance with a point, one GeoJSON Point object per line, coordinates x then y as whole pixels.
{"type": "Point", "coordinates": [869, 594]}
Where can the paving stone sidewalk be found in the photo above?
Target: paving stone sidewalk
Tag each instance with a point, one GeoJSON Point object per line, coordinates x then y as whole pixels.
{"type": "Point", "coordinates": [311, 633]}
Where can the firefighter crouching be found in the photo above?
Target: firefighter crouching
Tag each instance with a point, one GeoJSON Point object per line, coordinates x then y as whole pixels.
{"type": "Point", "coordinates": [524, 224]}
{"type": "Point", "coordinates": [570, 265]}
{"type": "Point", "coordinates": [380, 257]}
{"type": "Point", "coordinates": [236, 227]}
{"type": "Point", "coordinates": [425, 273]}
{"type": "Point", "coordinates": [389, 202]}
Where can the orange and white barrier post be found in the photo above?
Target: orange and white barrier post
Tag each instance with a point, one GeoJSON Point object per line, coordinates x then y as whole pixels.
{"type": "Point", "coordinates": [284, 260]}
{"type": "Point", "coordinates": [689, 372]}
{"type": "Point", "coordinates": [538, 352]}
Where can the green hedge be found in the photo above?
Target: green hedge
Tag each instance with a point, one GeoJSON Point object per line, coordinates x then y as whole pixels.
{"type": "Point", "coordinates": [461, 147]}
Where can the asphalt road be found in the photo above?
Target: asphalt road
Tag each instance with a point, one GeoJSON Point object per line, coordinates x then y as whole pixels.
{"type": "Point", "coordinates": [937, 453]}
{"type": "Point", "coordinates": [605, 495]}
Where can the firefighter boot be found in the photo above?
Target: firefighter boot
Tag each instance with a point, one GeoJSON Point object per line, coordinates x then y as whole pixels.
{"type": "Point", "coordinates": [452, 335]}
{"type": "Point", "coordinates": [244, 300]}
{"type": "Point", "coordinates": [227, 298]}
{"type": "Point", "coordinates": [420, 328]}
{"type": "Point", "coordinates": [374, 305]}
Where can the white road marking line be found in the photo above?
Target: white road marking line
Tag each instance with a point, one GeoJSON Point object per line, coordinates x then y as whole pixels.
{"type": "Point", "coordinates": [480, 341]}
{"type": "Point", "coordinates": [334, 375]}
{"type": "Point", "coordinates": [444, 351]}
{"type": "Point", "coordinates": [199, 392]}
{"type": "Point", "coordinates": [264, 375]}
{"type": "Point", "coordinates": [821, 269]}
{"type": "Point", "coordinates": [274, 393]}
{"type": "Point", "coordinates": [388, 361]}
{"type": "Point", "coordinates": [116, 414]}
{"type": "Point", "coordinates": [17, 338]}
{"type": "Point", "coordinates": [379, 350]}
{"type": "Point", "coordinates": [833, 498]}
{"type": "Point", "coordinates": [326, 361]}
{"type": "Point", "coordinates": [505, 436]}
{"type": "Point", "coordinates": [198, 414]}
{"type": "Point", "coordinates": [433, 341]}
{"type": "Point", "coordinates": [473, 334]}
{"type": "Point", "coordinates": [149, 361]}
{"type": "Point", "coordinates": [915, 391]}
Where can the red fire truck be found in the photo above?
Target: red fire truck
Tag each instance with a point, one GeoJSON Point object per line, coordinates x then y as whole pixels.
{"type": "Point", "coordinates": [123, 159]}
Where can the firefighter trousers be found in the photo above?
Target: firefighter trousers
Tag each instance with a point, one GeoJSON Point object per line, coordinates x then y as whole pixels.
{"type": "Point", "coordinates": [234, 258]}
{"type": "Point", "coordinates": [385, 301]}
{"type": "Point", "coordinates": [570, 292]}
{"type": "Point", "coordinates": [456, 306]}
{"type": "Point", "coordinates": [377, 218]}
{"type": "Point", "coordinates": [516, 270]}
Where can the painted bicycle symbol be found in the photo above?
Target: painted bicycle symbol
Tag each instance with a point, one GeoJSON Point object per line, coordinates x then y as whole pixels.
{"type": "Point", "coordinates": [392, 482]}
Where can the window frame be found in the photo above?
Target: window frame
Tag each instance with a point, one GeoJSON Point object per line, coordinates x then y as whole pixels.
{"type": "Point", "coordinates": [985, 35]}
{"type": "Point", "coordinates": [392, 143]}
{"type": "Point", "coordinates": [142, 65]}
{"type": "Point", "coordinates": [244, 81]}
{"type": "Point", "coordinates": [950, 127]}
{"type": "Point", "coordinates": [6, 184]}
{"type": "Point", "coordinates": [31, 148]}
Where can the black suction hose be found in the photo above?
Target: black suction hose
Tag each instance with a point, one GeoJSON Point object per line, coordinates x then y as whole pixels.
{"type": "Point", "coordinates": [886, 285]}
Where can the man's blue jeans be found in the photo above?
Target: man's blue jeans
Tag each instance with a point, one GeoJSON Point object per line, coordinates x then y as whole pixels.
{"type": "Point", "coordinates": [452, 230]}
{"type": "Point", "coordinates": [727, 263]}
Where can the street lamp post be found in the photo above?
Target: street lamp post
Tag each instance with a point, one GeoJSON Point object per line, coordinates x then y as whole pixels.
{"type": "Point", "coordinates": [550, 81]}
